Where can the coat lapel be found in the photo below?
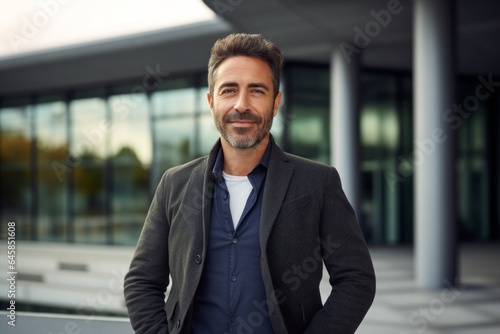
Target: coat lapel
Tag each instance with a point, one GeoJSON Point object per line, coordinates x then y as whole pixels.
{"type": "Point", "coordinates": [208, 192]}
{"type": "Point", "coordinates": [278, 177]}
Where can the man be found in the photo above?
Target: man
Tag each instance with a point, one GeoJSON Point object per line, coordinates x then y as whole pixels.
{"type": "Point", "coordinates": [242, 234]}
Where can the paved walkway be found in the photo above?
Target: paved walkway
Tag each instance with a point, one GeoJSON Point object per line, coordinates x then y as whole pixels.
{"type": "Point", "coordinates": [402, 308]}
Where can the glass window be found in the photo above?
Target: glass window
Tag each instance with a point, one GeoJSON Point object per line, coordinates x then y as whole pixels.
{"type": "Point", "coordinates": [175, 139]}
{"type": "Point", "coordinates": [380, 139]}
{"type": "Point", "coordinates": [176, 101]}
{"type": "Point", "coordinates": [379, 128]}
{"type": "Point", "coordinates": [473, 178]}
{"type": "Point", "coordinates": [131, 151]}
{"type": "Point", "coordinates": [15, 166]}
{"type": "Point", "coordinates": [174, 127]}
{"type": "Point", "coordinates": [405, 199]}
{"type": "Point", "coordinates": [89, 130]}
{"type": "Point", "coordinates": [308, 133]}
{"type": "Point", "coordinates": [52, 171]}
{"type": "Point", "coordinates": [308, 99]}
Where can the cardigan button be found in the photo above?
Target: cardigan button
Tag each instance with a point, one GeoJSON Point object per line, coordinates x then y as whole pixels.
{"type": "Point", "coordinates": [197, 259]}
{"type": "Point", "coordinates": [178, 323]}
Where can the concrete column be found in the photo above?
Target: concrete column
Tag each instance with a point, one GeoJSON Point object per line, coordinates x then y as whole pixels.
{"type": "Point", "coordinates": [344, 116]}
{"type": "Point", "coordinates": [434, 149]}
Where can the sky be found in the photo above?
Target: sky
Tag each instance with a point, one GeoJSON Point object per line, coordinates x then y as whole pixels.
{"type": "Point", "coordinates": [31, 25]}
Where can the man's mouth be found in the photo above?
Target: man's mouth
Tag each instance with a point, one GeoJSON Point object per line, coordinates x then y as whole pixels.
{"type": "Point", "coordinates": [242, 123]}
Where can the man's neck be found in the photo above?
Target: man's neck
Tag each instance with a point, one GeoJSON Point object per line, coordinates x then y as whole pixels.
{"type": "Point", "coordinates": [240, 162]}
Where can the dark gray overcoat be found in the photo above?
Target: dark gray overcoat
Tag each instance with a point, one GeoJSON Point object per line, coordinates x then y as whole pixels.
{"type": "Point", "coordinates": [306, 222]}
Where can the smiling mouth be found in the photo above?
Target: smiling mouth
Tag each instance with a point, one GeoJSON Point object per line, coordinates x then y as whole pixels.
{"type": "Point", "coordinates": [241, 118]}
{"type": "Point", "coordinates": [242, 123]}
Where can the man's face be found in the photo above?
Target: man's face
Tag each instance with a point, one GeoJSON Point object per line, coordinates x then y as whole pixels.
{"type": "Point", "coordinates": [243, 103]}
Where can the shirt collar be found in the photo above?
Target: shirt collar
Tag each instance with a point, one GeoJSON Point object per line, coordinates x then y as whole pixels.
{"type": "Point", "coordinates": [264, 161]}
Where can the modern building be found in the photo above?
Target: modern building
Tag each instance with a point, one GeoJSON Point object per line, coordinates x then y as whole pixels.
{"type": "Point", "coordinates": [402, 96]}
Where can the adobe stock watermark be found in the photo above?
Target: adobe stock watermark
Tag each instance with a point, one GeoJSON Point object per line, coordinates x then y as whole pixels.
{"type": "Point", "coordinates": [121, 108]}
{"type": "Point", "coordinates": [363, 37]}
{"type": "Point", "coordinates": [224, 6]}
{"type": "Point", "coordinates": [421, 318]}
{"type": "Point", "coordinates": [32, 24]}
{"type": "Point", "coordinates": [453, 116]}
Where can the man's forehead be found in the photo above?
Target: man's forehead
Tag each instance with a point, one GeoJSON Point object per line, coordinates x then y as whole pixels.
{"type": "Point", "coordinates": [239, 66]}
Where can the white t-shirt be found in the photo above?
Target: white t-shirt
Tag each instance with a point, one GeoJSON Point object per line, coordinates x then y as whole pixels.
{"type": "Point", "coordinates": [239, 188]}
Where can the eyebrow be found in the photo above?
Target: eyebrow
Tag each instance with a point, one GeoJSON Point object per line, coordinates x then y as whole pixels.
{"type": "Point", "coordinates": [251, 85]}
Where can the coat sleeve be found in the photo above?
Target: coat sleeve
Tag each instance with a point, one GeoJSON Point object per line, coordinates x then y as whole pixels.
{"type": "Point", "coordinates": [348, 263]}
{"type": "Point", "coordinates": [148, 277]}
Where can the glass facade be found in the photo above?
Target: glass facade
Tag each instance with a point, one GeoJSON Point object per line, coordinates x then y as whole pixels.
{"type": "Point", "coordinates": [51, 194]}
{"type": "Point", "coordinates": [472, 166]}
{"type": "Point", "coordinates": [81, 167]}
{"type": "Point", "coordinates": [132, 156]}
{"type": "Point", "coordinates": [380, 140]}
{"type": "Point", "coordinates": [307, 99]}
{"type": "Point", "coordinates": [176, 122]}
{"type": "Point", "coordinates": [88, 146]}
{"type": "Point", "coordinates": [17, 176]}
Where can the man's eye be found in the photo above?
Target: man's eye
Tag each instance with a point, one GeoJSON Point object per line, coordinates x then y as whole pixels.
{"type": "Point", "coordinates": [258, 91]}
{"type": "Point", "coordinates": [229, 90]}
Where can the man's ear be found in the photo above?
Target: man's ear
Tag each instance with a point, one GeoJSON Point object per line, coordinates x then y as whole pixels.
{"type": "Point", "coordinates": [210, 100]}
{"type": "Point", "coordinates": [277, 102]}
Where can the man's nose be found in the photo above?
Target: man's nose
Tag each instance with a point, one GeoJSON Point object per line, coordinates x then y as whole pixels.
{"type": "Point", "coordinates": [242, 103]}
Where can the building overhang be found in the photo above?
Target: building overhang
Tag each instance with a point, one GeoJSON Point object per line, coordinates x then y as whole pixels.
{"type": "Point", "coordinates": [173, 50]}
{"type": "Point", "coordinates": [305, 30]}
{"type": "Point", "coordinates": [382, 30]}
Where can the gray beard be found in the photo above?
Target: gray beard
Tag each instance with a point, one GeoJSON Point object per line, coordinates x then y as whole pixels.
{"type": "Point", "coordinates": [244, 143]}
